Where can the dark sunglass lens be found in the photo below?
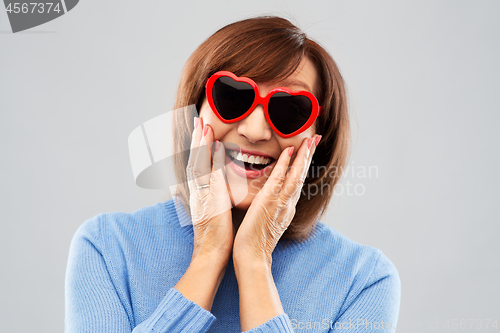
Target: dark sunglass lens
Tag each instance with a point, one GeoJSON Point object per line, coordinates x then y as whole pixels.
{"type": "Point", "coordinates": [232, 98]}
{"type": "Point", "coordinates": [289, 113]}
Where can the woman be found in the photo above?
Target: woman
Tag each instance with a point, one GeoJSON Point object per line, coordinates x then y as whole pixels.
{"type": "Point", "coordinates": [240, 248]}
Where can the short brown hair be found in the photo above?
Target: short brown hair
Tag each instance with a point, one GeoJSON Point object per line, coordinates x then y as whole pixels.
{"type": "Point", "coordinates": [269, 49]}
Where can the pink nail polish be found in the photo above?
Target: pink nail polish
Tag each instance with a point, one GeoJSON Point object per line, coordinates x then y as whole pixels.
{"type": "Point", "coordinates": [318, 139]}
{"type": "Point", "coordinates": [217, 145]}
{"type": "Point", "coordinates": [205, 130]}
{"type": "Point", "coordinates": [290, 151]}
{"type": "Point", "coordinates": [309, 143]}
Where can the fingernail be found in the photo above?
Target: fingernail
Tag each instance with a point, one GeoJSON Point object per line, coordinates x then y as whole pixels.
{"type": "Point", "coordinates": [318, 139]}
{"type": "Point", "coordinates": [309, 143]}
{"type": "Point", "coordinates": [196, 122]}
{"type": "Point", "coordinates": [205, 130]}
{"type": "Point", "coordinates": [290, 150]}
{"type": "Point", "coordinates": [217, 145]}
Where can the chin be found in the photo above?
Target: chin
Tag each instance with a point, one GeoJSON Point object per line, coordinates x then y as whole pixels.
{"type": "Point", "coordinates": [242, 197]}
{"type": "Point", "coordinates": [244, 204]}
{"type": "Point", "coordinates": [243, 191]}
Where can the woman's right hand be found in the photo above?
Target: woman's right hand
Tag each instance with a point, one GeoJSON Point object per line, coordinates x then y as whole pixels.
{"type": "Point", "coordinates": [210, 205]}
{"type": "Point", "coordinates": [212, 222]}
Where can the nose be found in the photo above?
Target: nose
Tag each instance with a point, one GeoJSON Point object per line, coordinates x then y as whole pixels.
{"type": "Point", "coordinates": [254, 126]}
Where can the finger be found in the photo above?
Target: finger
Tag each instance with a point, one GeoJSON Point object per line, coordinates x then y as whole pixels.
{"type": "Point", "coordinates": [203, 164]}
{"type": "Point", "coordinates": [298, 171]}
{"type": "Point", "coordinates": [195, 142]}
{"type": "Point", "coordinates": [273, 185]}
{"type": "Point", "coordinates": [219, 158]}
{"type": "Point", "coordinates": [218, 183]}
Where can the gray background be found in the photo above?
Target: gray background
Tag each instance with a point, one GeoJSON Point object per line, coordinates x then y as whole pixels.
{"type": "Point", "coordinates": [423, 84]}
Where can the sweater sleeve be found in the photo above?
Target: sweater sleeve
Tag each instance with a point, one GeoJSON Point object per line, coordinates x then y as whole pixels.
{"type": "Point", "coordinates": [92, 303]}
{"type": "Point", "coordinates": [376, 307]}
{"type": "Point", "coordinates": [280, 323]}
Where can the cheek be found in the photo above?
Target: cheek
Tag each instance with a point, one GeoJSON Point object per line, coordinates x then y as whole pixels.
{"type": "Point", "coordinates": [219, 128]}
{"type": "Point", "coordinates": [208, 116]}
{"type": "Point", "coordinates": [295, 141]}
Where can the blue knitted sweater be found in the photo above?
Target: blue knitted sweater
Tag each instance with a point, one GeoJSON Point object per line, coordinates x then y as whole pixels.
{"type": "Point", "coordinates": [122, 268]}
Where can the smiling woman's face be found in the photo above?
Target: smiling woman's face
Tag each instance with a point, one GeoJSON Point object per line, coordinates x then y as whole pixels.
{"type": "Point", "coordinates": [254, 135]}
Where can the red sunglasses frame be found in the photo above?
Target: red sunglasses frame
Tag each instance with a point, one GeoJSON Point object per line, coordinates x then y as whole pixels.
{"type": "Point", "coordinates": [264, 101]}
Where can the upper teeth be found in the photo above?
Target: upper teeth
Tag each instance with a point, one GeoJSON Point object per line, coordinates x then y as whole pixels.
{"type": "Point", "coordinates": [249, 158]}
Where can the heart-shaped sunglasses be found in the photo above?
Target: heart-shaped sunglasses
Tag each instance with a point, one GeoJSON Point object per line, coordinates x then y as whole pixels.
{"type": "Point", "coordinates": [232, 98]}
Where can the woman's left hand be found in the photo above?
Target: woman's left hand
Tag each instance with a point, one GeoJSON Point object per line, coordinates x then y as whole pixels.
{"type": "Point", "coordinates": [273, 208]}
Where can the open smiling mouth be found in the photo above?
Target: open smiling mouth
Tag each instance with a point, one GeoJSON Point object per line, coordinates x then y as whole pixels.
{"type": "Point", "coordinates": [251, 162]}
